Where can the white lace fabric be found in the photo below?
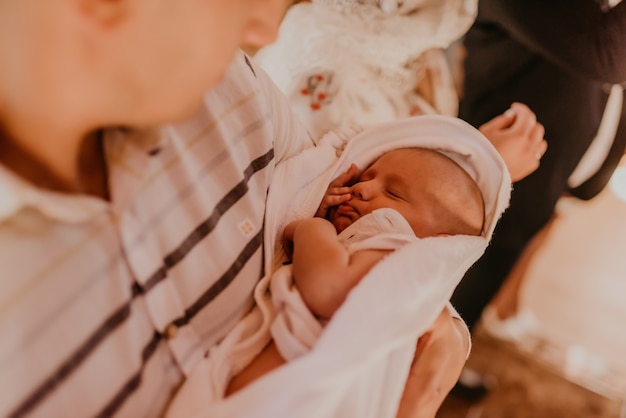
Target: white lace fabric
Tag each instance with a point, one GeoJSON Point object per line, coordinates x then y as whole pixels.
{"type": "Point", "coordinates": [343, 62]}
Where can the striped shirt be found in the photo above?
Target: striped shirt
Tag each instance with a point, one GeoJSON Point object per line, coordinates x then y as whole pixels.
{"type": "Point", "coordinates": [106, 306]}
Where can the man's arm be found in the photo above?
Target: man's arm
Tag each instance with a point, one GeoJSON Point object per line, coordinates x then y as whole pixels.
{"type": "Point", "coordinates": [439, 358]}
{"type": "Point", "coordinates": [290, 136]}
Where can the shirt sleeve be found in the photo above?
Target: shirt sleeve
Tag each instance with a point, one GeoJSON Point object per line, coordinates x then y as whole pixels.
{"type": "Point", "coordinates": [290, 135]}
{"type": "Point", "coordinates": [577, 34]}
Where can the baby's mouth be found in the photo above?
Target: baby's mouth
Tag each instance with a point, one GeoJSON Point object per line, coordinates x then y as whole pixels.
{"type": "Point", "coordinates": [346, 210]}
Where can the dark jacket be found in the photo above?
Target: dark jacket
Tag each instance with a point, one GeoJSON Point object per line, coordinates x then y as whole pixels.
{"type": "Point", "coordinates": [560, 57]}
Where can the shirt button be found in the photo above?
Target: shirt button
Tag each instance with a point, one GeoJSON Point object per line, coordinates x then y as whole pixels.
{"type": "Point", "coordinates": [171, 331]}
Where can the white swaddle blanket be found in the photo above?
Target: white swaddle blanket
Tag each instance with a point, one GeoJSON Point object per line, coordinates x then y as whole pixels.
{"type": "Point", "coordinates": [359, 364]}
{"type": "Point", "coordinates": [295, 329]}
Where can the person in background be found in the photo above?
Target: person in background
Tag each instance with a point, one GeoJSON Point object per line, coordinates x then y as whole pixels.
{"type": "Point", "coordinates": [564, 60]}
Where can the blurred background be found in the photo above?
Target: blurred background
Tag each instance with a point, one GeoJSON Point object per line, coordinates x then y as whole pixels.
{"type": "Point", "coordinates": [575, 364]}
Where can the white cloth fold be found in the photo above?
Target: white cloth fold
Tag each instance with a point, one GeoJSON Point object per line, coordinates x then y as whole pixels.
{"type": "Point", "coordinates": [348, 61]}
{"type": "Point", "coordinates": [359, 363]}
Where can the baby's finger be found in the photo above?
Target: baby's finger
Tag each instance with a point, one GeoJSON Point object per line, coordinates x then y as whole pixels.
{"type": "Point", "coordinates": [352, 172]}
{"type": "Point", "coordinates": [338, 190]}
{"type": "Point", "coordinates": [345, 178]}
{"type": "Point", "coordinates": [336, 200]}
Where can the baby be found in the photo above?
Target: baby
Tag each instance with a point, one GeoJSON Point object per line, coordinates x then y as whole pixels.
{"type": "Point", "coordinates": [406, 194]}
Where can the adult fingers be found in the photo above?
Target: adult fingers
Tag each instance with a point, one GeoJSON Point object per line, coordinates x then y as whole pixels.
{"type": "Point", "coordinates": [525, 119]}
{"type": "Point", "coordinates": [502, 121]}
{"type": "Point", "coordinates": [537, 143]}
{"type": "Point", "coordinates": [537, 133]}
{"type": "Point", "coordinates": [541, 149]}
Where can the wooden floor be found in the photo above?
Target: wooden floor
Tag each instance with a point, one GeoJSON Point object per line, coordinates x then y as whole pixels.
{"type": "Point", "coordinates": [525, 388]}
{"type": "Point", "coordinates": [575, 366]}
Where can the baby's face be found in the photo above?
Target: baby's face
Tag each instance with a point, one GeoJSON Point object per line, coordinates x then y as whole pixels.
{"type": "Point", "coordinates": [414, 182]}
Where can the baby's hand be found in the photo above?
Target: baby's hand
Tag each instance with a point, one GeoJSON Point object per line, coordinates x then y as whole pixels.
{"type": "Point", "coordinates": [338, 191]}
{"type": "Point", "coordinates": [518, 137]}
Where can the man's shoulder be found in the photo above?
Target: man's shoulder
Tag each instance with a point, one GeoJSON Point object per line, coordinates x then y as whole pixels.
{"type": "Point", "coordinates": [241, 77]}
{"type": "Point", "coordinates": [247, 93]}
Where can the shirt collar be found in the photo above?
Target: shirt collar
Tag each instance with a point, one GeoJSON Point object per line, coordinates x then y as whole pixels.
{"type": "Point", "coordinates": [18, 194]}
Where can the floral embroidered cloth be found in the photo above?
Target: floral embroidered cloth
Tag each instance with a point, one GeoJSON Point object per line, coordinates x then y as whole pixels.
{"type": "Point", "coordinates": [343, 62]}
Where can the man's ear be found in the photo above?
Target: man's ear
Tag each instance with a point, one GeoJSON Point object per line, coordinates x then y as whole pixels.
{"type": "Point", "coordinates": [105, 13]}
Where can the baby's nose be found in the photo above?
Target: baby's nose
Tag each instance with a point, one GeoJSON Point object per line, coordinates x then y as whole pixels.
{"type": "Point", "coordinates": [361, 190]}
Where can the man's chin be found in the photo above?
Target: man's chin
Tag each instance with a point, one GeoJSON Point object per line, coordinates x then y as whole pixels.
{"type": "Point", "coordinates": [188, 112]}
{"type": "Point", "coordinates": [165, 117]}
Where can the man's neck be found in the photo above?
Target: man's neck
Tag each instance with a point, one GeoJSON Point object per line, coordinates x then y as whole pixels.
{"type": "Point", "coordinates": [85, 173]}
{"type": "Point", "coordinates": [92, 168]}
